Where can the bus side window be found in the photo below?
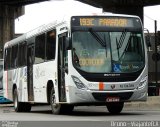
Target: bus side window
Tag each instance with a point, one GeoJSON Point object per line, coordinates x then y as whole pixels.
{"type": "Point", "coordinates": [7, 61]}
{"type": "Point", "coordinates": [22, 54]}
{"type": "Point", "coordinates": [14, 56]}
{"type": "Point", "coordinates": [51, 45]}
{"type": "Point", "coordinates": [40, 48]}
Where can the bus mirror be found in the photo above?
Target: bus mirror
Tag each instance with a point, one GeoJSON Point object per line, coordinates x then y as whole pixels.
{"type": "Point", "coordinates": [67, 43]}
{"type": "Point", "coordinates": [147, 37]}
{"type": "Point", "coordinates": [148, 42]}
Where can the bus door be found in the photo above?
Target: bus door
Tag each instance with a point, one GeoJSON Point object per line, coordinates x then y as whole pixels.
{"type": "Point", "coordinates": [61, 67]}
{"type": "Point", "coordinates": [30, 60]}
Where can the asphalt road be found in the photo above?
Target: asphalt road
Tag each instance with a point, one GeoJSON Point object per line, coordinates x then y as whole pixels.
{"type": "Point", "coordinates": [84, 116]}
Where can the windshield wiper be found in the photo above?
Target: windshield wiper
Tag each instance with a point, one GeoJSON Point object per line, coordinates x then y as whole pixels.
{"type": "Point", "coordinates": [121, 41]}
{"type": "Point", "coordinates": [99, 39]}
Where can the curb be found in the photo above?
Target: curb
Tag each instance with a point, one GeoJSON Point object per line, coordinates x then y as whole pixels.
{"type": "Point", "coordinates": [152, 103]}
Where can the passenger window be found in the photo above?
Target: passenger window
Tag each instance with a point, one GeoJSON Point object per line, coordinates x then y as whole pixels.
{"type": "Point", "coordinates": [22, 54]}
{"type": "Point", "coordinates": [51, 45]}
{"type": "Point", "coordinates": [40, 48]}
{"type": "Point", "coordinates": [7, 58]}
{"type": "Point", "coordinates": [14, 56]}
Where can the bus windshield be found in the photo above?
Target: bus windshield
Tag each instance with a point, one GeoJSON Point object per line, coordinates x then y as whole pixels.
{"type": "Point", "coordinates": [108, 52]}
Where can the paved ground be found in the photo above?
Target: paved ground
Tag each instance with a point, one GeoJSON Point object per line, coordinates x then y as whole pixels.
{"type": "Point", "coordinates": [86, 116]}
{"type": "Point", "coordinates": [80, 113]}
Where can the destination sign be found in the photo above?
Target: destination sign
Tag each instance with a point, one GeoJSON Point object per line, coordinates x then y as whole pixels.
{"type": "Point", "coordinates": [102, 21]}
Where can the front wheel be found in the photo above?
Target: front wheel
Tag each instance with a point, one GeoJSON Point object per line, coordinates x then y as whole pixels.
{"type": "Point", "coordinates": [59, 108]}
{"type": "Point", "coordinates": [56, 108]}
{"type": "Point", "coordinates": [115, 107]}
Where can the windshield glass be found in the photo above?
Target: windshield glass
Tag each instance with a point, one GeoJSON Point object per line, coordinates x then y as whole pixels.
{"type": "Point", "coordinates": [108, 52]}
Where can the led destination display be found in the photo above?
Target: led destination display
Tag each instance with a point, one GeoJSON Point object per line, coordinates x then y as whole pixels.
{"type": "Point", "coordinates": [104, 22]}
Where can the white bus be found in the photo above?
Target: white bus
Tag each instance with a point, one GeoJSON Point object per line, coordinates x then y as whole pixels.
{"type": "Point", "coordinates": [86, 60]}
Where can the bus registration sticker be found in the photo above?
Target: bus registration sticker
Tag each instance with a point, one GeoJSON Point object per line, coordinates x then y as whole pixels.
{"type": "Point", "coordinates": [112, 99]}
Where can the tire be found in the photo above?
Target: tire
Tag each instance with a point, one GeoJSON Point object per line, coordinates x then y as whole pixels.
{"type": "Point", "coordinates": [56, 108]}
{"type": "Point", "coordinates": [20, 106]}
{"type": "Point", "coordinates": [59, 108]}
{"type": "Point", "coordinates": [115, 107]}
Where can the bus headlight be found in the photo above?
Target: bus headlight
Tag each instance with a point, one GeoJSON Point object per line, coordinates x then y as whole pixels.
{"type": "Point", "coordinates": [79, 83]}
{"type": "Point", "coordinates": [143, 82]}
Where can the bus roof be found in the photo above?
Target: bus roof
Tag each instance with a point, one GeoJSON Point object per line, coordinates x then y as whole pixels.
{"type": "Point", "coordinates": [106, 14]}
{"type": "Point", "coordinates": [49, 26]}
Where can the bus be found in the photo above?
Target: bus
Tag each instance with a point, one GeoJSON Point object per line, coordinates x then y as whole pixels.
{"type": "Point", "coordinates": [84, 60]}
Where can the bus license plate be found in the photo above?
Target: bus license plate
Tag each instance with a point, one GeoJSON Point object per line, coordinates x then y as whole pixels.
{"type": "Point", "coordinates": [112, 99]}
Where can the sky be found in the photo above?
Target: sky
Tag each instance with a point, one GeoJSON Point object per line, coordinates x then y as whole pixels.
{"type": "Point", "coordinates": [45, 12]}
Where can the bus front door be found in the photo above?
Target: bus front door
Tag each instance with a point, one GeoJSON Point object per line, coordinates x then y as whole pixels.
{"type": "Point", "coordinates": [61, 68]}
{"type": "Point", "coordinates": [30, 60]}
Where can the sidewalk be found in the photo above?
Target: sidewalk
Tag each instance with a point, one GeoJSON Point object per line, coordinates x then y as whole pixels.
{"type": "Point", "coordinates": [152, 103]}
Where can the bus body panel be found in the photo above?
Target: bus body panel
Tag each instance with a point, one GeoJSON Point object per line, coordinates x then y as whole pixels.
{"type": "Point", "coordinates": [42, 74]}
{"type": "Point", "coordinates": [17, 78]}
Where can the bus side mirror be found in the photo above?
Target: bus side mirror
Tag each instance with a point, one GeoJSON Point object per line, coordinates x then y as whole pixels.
{"type": "Point", "coordinates": [147, 38]}
{"type": "Point", "coordinates": [67, 43]}
{"type": "Point", "coordinates": [148, 42]}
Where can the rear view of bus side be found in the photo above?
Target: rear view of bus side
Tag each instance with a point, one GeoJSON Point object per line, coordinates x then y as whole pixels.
{"type": "Point", "coordinates": [86, 60]}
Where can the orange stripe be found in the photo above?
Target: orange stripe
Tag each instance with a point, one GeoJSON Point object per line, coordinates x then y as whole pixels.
{"type": "Point", "coordinates": [101, 86]}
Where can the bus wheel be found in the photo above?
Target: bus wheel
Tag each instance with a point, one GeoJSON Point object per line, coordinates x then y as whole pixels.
{"type": "Point", "coordinates": [115, 107]}
{"type": "Point", "coordinates": [59, 108]}
{"type": "Point", "coordinates": [56, 108]}
{"type": "Point", "coordinates": [20, 106]}
{"type": "Point", "coordinates": [17, 105]}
